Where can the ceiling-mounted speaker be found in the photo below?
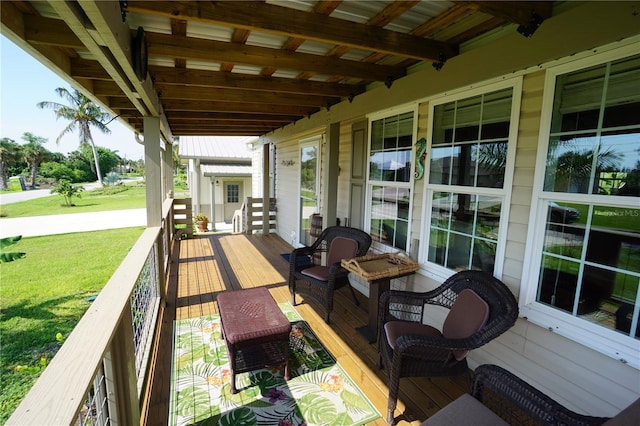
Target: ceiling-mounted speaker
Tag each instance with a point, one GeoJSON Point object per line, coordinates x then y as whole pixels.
{"type": "Point", "coordinates": [140, 55]}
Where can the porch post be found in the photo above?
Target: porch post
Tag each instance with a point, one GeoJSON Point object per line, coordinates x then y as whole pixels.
{"type": "Point", "coordinates": [330, 177]}
{"type": "Point", "coordinates": [265, 189]}
{"type": "Point", "coordinates": [153, 172]}
{"type": "Point", "coordinates": [213, 203]}
{"type": "Point", "coordinates": [168, 167]}
{"type": "Point", "coordinates": [196, 188]}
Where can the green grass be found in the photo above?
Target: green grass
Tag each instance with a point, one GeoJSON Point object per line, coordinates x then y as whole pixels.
{"type": "Point", "coordinates": [46, 293]}
{"type": "Point", "coordinates": [120, 197]}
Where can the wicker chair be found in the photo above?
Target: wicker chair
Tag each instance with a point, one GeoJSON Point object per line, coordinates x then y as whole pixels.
{"type": "Point", "coordinates": [320, 281]}
{"type": "Point", "coordinates": [518, 403]}
{"type": "Point", "coordinates": [418, 350]}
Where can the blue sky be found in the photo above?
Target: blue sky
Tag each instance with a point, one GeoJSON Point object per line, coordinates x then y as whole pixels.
{"type": "Point", "coordinates": [23, 83]}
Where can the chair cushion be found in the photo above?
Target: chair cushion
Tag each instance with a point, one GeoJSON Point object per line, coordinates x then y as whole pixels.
{"type": "Point", "coordinates": [341, 248]}
{"type": "Point", "coordinates": [318, 272]}
{"type": "Point", "coordinates": [468, 314]}
{"type": "Point", "coordinates": [395, 329]}
{"type": "Point", "coordinates": [465, 411]}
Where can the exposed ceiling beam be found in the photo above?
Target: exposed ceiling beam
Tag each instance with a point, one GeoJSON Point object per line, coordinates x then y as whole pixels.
{"type": "Point", "coordinates": [178, 105]}
{"type": "Point", "coordinates": [249, 82]}
{"type": "Point", "coordinates": [108, 27]}
{"type": "Point", "coordinates": [166, 91]}
{"type": "Point", "coordinates": [293, 43]}
{"type": "Point", "coordinates": [223, 132]}
{"type": "Point", "coordinates": [165, 45]}
{"type": "Point", "coordinates": [259, 16]}
{"type": "Point", "coordinates": [198, 117]}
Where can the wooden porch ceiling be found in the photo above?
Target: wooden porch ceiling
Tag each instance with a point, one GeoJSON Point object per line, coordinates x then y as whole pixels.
{"type": "Point", "coordinates": [247, 67]}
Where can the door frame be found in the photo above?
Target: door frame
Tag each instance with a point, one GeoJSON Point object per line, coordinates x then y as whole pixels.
{"type": "Point", "coordinates": [312, 142]}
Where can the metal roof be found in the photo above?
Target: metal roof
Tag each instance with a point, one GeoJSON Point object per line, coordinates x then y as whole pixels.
{"type": "Point", "coordinates": [221, 170]}
{"type": "Point", "coordinates": [221, 148]}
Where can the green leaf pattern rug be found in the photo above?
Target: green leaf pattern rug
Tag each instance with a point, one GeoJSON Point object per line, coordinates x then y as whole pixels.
{"type": "Point", "coordinates": [319, 391]}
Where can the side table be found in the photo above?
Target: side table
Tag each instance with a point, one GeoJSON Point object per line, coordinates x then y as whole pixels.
{"type": "Point", "coordinates": [378, 270]}
{"type": "Point", "coordinates": [255, 331]}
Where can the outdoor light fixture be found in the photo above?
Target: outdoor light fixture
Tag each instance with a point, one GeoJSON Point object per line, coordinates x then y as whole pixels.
{"type": "Point", "coordinates": [440, 63]}
{"type": "Point", "coordinates": [532, 26]}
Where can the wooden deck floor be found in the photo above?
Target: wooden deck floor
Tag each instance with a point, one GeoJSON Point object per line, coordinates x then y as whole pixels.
{"type": "Point", "coordinates": [206, 265]}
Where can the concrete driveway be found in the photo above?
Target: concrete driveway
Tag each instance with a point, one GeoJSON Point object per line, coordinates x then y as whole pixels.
{"type": "Point", "coordinates": [65, 223]}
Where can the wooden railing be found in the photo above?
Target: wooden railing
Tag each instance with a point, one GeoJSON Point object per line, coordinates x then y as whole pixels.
{"type": "Point", "coordinates": [183, 215]}
{"type": "Point", "coordinates": [100, 374]}
{"type": "Point", "coordinates": [252, 217]}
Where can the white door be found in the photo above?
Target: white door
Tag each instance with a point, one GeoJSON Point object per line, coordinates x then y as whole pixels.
{"type": "Point", "coordinates": [232, 199]}
{"type": "Point", "coordinates": [309, 187]}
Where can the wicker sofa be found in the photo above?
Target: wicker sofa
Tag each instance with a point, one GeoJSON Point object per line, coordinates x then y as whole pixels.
{"type": "Point", "coordinates": [498, 397]}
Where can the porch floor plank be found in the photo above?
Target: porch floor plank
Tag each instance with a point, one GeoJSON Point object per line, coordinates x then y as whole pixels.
{"type": "Point", "coordinates": [206, 265]}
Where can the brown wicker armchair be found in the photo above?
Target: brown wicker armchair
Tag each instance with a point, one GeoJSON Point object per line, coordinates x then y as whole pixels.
{"type": "Point", "coordinates": [518, 403]}
{"type": "Point", "coordinates": [320, 281]}
{"type": "Point", "coordinates": [485, 309]}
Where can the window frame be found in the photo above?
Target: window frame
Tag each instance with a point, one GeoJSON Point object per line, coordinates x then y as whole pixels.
{"type": "Point", "coordinates": [437, 271]}
{"type": "Point", "coordinates": [601, 339]}
{"type": "Point", "coordinates": [377, 246]}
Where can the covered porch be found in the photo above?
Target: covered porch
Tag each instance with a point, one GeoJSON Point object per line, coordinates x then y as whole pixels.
{"type": "Point", "coordinates": [204, 266]}
{"type": "Point", "coordinates": [169, 69]}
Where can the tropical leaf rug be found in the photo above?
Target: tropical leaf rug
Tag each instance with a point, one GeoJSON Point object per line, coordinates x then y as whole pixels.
{"type": "Point", "coordinates": [318, 392]}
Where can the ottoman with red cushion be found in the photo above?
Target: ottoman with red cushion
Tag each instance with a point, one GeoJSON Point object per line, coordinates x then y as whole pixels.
{"type": "Point", "coordinates": [255, 331]}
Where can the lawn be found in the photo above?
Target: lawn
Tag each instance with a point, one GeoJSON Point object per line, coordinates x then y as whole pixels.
{"type": "Point", "coordinates": [119, 197]}
{"type": "Point", "coordinates": [47, 293]}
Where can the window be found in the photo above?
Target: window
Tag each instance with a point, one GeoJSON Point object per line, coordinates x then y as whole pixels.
{"type": "Point", "coordinates": [233, 193]}
{"type": "Point", "coordinates": [466, 191]}
{"type": "Point", "coordinates": [389, 179]}
{"type": "Point", "coordinates": [588, 238]}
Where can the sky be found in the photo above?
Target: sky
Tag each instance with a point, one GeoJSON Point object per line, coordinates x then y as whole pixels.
{"type": "Point", "coordinates": [23, 83]}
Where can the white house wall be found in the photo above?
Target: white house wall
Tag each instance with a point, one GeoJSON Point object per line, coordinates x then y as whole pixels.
{"type": "Point", "coordinates": [205, 193]}
{"type": "Point", "coordinates": [575, 375]}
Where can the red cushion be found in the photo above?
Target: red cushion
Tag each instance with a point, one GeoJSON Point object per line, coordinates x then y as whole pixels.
{"type": "Point", "coordinates": [468, 314]}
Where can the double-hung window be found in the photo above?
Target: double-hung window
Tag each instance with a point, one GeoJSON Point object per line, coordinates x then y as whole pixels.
{"type": "Point", "coordinates": [470, 166]}
{"type": "Point", "coordinates": [389, 185]}
{"type": "Point", "coordinates": [586, 257]}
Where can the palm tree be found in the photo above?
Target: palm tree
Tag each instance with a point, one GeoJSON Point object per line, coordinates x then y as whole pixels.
{"type": "Point", "coordinates": [34, 153]}
{"type": "Point", "coordinates": [82, 114]}
{"type": "Point", "coordinates": [10, 154]}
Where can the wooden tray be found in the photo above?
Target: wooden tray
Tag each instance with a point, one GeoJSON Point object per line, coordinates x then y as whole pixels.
{"type": "Point", "coordinates": [377, 266]}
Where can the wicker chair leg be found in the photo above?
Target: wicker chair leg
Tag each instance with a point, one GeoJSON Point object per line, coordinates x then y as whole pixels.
{"type": "Point", "coordinates": [394, 385]}
{"type": "Point", "coordinates": [326, 317]}
{"type": "Point", "coordinates": [390, 419]}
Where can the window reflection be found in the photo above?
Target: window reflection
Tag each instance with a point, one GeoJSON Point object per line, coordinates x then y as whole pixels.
{"type": "Point", "coordinates": [591, 263]}
{"type": "Point", "coordinates": [464, 230]}
{"type": "Point", "coordinates": [390, 173]}
{"type": "Point", "coordinates": [390, 215]}
{"type": "Point", "coordinates": [469, 145]}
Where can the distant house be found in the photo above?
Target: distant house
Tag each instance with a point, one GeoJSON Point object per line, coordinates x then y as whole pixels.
{"type": "Point", "coordinates": [219, 173]}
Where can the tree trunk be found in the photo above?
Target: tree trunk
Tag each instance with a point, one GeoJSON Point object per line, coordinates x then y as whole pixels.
{"type": "Point", "coordinates": [34, 173]}
{"type": "Point", "coordinates": [4, 180]}
{"type": "Point", "coordinates": [97, 162]}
